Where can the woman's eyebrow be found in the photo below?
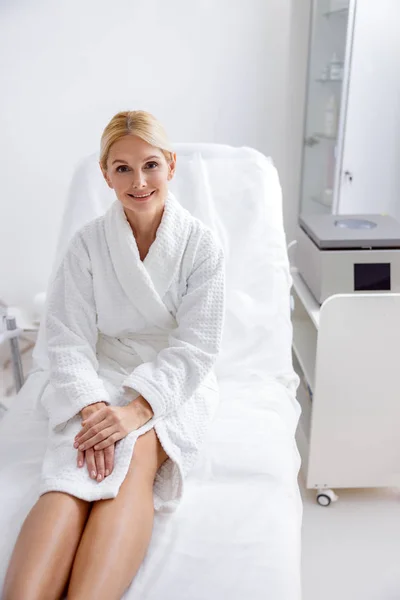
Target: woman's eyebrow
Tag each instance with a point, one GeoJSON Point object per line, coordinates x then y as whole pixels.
{"type": "Point", "coordinates": [144, 160]}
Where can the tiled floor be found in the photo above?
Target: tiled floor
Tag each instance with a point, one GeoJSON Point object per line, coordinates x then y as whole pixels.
{"type": "Point", "coordinates": [351, 550]}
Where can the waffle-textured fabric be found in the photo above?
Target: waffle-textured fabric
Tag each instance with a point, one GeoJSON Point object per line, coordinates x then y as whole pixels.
{"type": "Point", "coordinates": [118, 327]}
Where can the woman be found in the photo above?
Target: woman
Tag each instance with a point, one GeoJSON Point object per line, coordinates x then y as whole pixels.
{"type": "Point", "coordinates": [134, 324]}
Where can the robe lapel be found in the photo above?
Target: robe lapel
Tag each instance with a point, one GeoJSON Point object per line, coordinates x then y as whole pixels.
{"type": "Point", "coordinates": [145, 283]}
{"type": "Point", "coordinates": [165, 254]}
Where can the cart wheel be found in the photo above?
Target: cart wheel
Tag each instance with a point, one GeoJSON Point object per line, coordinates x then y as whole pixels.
{"type": "Point", "coordinates": [323, 500]}
{"type": "Point", "coordinates": [325, 497]}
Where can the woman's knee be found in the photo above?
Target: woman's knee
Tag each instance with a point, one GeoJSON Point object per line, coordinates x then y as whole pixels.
{"type": "Point", "coordinates": [64, 505]}
{"type": "Point", "coordinates": [148, 454]}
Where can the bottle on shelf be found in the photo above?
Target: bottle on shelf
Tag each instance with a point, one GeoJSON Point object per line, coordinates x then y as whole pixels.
{"type": "Point", "coordinates": [335, 68]}
{"type": "Point", "coordinates": [327, 197]}
{"type": "Point", "coordinates": [331, 117]}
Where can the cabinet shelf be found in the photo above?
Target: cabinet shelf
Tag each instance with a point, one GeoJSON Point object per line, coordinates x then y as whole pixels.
{"type": "Point", "coordinates": [304, 347]}
{"type": "Point", "coordinates": [337, 12]}
{"type": "Point", "coordinates": [305, 328]}
{"type": "Point", "coordinates": [323, 136]}
{"type": "Point", "coordinates": [307, 299]}
{"type": "Point", "coordinates": [328, 80]}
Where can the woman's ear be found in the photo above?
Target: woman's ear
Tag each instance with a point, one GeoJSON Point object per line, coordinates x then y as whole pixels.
{"type": "Point", "coordinates": [106, 177]}
{"type": "Point", "coordinates": [172, 166]}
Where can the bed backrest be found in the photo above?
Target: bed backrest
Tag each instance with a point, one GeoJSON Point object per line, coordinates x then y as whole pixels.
{"type": "Point", "coordinates": [236, 192]}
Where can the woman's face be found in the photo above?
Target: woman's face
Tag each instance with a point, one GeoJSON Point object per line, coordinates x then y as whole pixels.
{"type": "Point", "coordinates": [138, 173]}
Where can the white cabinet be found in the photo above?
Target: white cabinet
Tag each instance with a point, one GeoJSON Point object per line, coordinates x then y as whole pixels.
{"type": "Point", "coordinates": [347, 353]}
{"type": "Point", "coordinates": [351, 152]}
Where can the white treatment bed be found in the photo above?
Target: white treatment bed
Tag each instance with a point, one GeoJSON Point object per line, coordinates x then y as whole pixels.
{"type": "Point", "coordinates": [236, 533]}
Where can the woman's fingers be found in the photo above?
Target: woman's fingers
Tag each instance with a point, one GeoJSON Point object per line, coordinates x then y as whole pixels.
{"type": "Point", "coordinates": [100, 462]}
{"type": "Point", "coordinates": [110, 441]}
{"type": "Point", "coordinates": [109, 460]}
{"type": "Point", "coordinates": [99, 458]}
{"type": "Point", "coordinates": [96, 417]}
{"type": "Point", "coordinates": [91, 408]}
{"type": "Point", "coordinates": [91, 463]}
{"type": "Point", "coordinates": [80, 460]}
{"type": "Point", "coordinates": [97, 438]}
{"type": "Point", "coordinates": [90, 430]}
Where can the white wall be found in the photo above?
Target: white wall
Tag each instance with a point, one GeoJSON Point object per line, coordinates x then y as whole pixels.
{"type": "Point", "coordinates": [210, 70]}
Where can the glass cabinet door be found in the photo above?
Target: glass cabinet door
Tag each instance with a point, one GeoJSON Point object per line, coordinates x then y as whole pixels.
{"type": "Point", "coordinates": [330, 22]}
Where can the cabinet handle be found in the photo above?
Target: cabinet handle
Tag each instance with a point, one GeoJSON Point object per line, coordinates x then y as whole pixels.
{"type": "Point", "coordinates": [311, 141]}
{"type": "Point", "coordinates": [348, 176]}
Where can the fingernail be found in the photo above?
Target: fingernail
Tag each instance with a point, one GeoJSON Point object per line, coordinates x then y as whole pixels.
{"type": "Point", "coordinates": [107, 472]}
{"type": "Point", "coordinates": [76, 445]}
{"type": "Point", "coordinates": [80, 464]}
{"type": "Point", "coordinates": [82, 447]}
{"type": "Point", "coordinates": [93, 474]}
{"type": "Point", "coordinates": [99, 477]}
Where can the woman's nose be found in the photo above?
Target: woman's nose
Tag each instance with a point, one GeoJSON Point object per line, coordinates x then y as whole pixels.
{"type": "Point", "coordinates": [139, 180]}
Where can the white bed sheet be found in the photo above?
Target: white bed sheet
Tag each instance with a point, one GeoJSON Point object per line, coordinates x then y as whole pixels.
{"type": "Point", "coordinates": [236, 533]}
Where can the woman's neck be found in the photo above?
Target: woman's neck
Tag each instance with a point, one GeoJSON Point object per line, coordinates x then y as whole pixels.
{"type": "Point", "coordinates": [144, 225]}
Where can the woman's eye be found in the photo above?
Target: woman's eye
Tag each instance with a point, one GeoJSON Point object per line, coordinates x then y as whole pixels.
{"type": "Point", "coordinates": [122, 169]}
{"type": "Point", "coordinates": [151, 165]}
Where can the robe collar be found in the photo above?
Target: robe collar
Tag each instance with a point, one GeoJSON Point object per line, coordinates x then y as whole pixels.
{"type": "Point", "coordinates": [146, 282]}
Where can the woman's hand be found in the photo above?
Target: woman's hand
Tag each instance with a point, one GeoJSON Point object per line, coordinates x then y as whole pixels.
{"type": "Point", "coordinates": [110, 424]}
{"type": "Point", "coordinates": [100, 463]}
{"type": "Point", "coordinates": [85, 414]}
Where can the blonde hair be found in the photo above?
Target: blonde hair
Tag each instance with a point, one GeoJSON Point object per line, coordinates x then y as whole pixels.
{"type": "Point", "coordinates": [134, 122]}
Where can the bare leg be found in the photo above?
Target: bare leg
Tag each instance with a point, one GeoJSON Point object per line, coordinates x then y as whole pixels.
{"type": "Point", "coordinates": [44, 552]}
{"type": "Point", "coordinates": [118, 531]}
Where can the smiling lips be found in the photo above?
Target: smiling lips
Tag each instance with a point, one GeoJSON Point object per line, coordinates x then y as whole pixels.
{"type": "Point", "coordinates": [141, 196]}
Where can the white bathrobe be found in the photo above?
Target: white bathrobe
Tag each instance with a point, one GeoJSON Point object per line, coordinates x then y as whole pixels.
{"type": "Point", "coordinates": [118, 327]}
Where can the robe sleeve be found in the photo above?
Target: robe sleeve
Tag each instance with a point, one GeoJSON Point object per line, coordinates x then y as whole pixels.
{"type": "Point", "coordinates": [71, 331]}
{"type": "Point", "coordinates": [178, 370]}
